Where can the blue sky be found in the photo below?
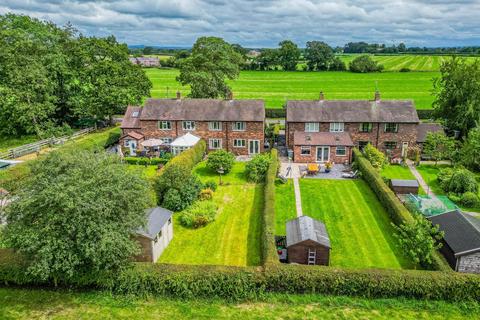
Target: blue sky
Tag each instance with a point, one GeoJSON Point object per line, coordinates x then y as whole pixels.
{"type": "Point", "coordinates": [254, 23]}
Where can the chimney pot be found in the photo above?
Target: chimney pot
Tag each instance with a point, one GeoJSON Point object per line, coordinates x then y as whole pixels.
{"type": "Point", "coordinates": [322, 96]}
{"type": "Point", "coordinates": [377, 95]}
{"type": "Point", "coordinates": [179, 95]}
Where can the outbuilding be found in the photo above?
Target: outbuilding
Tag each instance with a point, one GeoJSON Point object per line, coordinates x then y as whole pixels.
{"type": "Point", "coordinates": [156, 235]}
{"type": "Point", "coordinates": [400, 186]}
{"type": "Point", "coordinates": [307, 241]}
{"type": "Point", "coordinates": [461, 241]}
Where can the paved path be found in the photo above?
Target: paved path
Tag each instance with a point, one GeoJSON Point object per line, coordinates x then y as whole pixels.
{"type": "Point", "coordinates": [298, 198]}
{"type": "Point", "coordinates": [420, 179]}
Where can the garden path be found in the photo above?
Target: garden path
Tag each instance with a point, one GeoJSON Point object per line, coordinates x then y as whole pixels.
{"type": "Point", "coordinates": [420, 179]}
{"type": "Point", "coordinates": [298, 198]}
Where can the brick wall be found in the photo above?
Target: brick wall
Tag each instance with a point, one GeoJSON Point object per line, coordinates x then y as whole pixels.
{"type": "Point", "coordinates": [299, 158]}
{"type": "Point", "coordinates": [407, 132]}
{"type": "Point", "coordinates": [253, 131]}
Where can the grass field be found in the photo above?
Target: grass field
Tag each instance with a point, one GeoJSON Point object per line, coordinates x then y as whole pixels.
{"type": "Point", "coordinates": [361, 234]}
{"type": "Point", "coordinates": [284, 205]}
{"type": "Point", "coordinates": [43, 304]}
{"type": "Point", "coordinates": [276, 87]}
{"type": "Point", "coordinates": [234, 237]}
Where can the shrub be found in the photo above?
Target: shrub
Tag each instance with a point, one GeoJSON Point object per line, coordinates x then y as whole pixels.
{"type": "Point", "coordinates": [188, 158]}
{"type": "Point", "coordinates": [405, 69]}
{"type": "Point", "coordinates": [275, 113]}
{"type": "Point", "coordinates": [143, 161]}
{"type": "Point", "coordinates": [206, 194]}
{"type": "Point", "coordinates": [198, 214]}
{"type": "Point", "coordinates": [172, 200]}
{"type": "Point", "coordinates": [452, 196]}
{"type": "Point", "coordinates": [220, 159]}
{"type": "Point", "coordinates": [113, 138]}
{"type": "Point", "coordinates": [337, 65]}
{"type": "Point", "coordinates": [376, 157]}
{"type": "Point", "coordinates": [212, 185]}
{"type": "Point", "coordinates": [461, 181]}
{"type": "Point", "coordinates": [470, 200]}
{"type": "Point", "coordinates": [257, 167]}
{"type": "Point", "coordinates": [364, 64]}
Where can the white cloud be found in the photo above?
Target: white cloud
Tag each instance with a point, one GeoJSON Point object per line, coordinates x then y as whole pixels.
{"type": "Point", "coordinates": [265, 23]}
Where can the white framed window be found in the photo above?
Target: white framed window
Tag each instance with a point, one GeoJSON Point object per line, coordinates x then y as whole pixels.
{"type": "Point", "coordinates": [337, 127]}
{"type": "Point", "coordinates": [312, 127]}
{"type": "Point", "coordinates": [391, 127]}
{"type": "Point", "coordinates": [188, 125]}
{"type": "Point", "coordinates": [215, 126]}
{"type": "Point", "coordinates": [239, 143]}
{"type": "Point", "coordinates": [167, 140]}
{"type": "Point", "coordinates": [390, 145]}
{"type": "Point", "coordinates": [215, 143]}
{"type": "Point", "coordinates": [165, 125]}
{"type": "Point", "coordinates": [341, 151]}
{"type": "Point", "coordinates": [239, 126]}
{"type": "Point", "coordinates": [305, 150]}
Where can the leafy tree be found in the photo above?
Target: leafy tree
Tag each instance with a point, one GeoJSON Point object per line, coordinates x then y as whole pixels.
{"type": "Point", "coordinates": [268, 59]}
{"type": "Point", "coordinates": [438, 146]}
{"type": "Point", "coordinates": [419, 240]}
{"type": "Point", "coordinates": [220, 159]}
{"type": "Point", "coordinates": [212, 62]}
{"type": "Point", "coordinates": [376, 157]}
{"type": "Point", "coordinates": [470, 152]}
{"type": "Point", "coordinates": [257, 167]}
{"type": "Point", "coordinates": [457, 94]}
{"type": "Point", "coordinates": [319, 55]}
{"type": "Point", "coordinates": [337, 65]}
{"type": "Point", "coordinates": [401, 47]}
{"type": "Point", "coordinates": [460, 181]}
{"type": "Point", "coordinates": [288, 55]}
{"type": "Point", "coordinates": [147, 50]}
{"type": "Point", "coordinates": [75, 213]}
{"type": "Point", "coordinates": [365, 64]}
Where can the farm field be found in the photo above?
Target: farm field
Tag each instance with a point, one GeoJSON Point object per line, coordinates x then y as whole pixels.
{"type": "Point", "coordinates": [276, 87]}
{"type": "Point", "coordinates": [234, 237]}
{"type": "Point", "coordinates": [44, 304]}
{"type": "Point", "coordinates": [360, 230]}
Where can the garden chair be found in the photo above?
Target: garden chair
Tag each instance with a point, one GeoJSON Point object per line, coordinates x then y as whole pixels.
{"type": "Point", "coordinates": [350, 175]}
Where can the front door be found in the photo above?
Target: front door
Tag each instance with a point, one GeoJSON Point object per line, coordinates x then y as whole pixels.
{"type": "Point", "coordinates": [323, 154]}
{"type": "Point", "coordinates": [404, 149]}
{"type": "Point", "coordinates": [132, 145]}
{"type": "Point", "coordinates": [253, 146]}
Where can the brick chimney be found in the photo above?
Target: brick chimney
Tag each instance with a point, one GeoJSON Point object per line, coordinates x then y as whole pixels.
{"type": "Point", "coordinates": [322, 96]}
{"type": "Point", "coordinates": [179, 95]}
{"type": "Point", "coordinates": [377, 95]}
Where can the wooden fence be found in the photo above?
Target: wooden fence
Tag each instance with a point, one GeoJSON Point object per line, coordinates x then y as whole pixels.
{"type": "Point", "coordinates": [37, 146]}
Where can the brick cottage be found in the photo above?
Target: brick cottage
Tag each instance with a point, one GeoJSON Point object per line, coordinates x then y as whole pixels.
{"type": "Point", "coordinates": [327, 130]}
{"type": "Point", "coordinates": [233, 125]}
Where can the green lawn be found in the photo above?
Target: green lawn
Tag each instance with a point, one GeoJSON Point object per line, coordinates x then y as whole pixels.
{"type": "Point", "coordinates": [275, 87]}
{"type": "Point", "coordinates": [360, 230]}
{"type": "Point", "coordinates": [397, 172]}
{"type": "Point", "coordinates": [284, 205]}
{"type": "Point", "coordinates": [234, 237]}
{"type": "Point", "coordinates": [43, 304]}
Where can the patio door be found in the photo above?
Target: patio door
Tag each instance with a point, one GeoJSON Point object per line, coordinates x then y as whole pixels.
{"type": "Point", "coordinates": [323, 154]}
{"type": "Point", "coordinates": [253, 146]}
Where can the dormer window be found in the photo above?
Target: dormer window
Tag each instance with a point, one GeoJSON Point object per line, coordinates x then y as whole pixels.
{"type": "Point", "coordinates": [135, 114]}
{"type": "Point", "coordinates": [337, 127]}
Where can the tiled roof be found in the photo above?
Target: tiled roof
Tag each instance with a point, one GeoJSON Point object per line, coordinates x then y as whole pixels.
{"type": "Point", "coordinates": [424, 128]}
{"type": "Point", "coordinates": [462, 232]}
{"type": "Point", "coordinates": [322, 139]}
{"type": "Point", "coordinates": [400, 111]}
{"type": "Point", "coordinates": [203, 110]}
{"type": "Point", "coordinates": [131, 118]}
{"type": "Point", "coordinates": [134, 134]}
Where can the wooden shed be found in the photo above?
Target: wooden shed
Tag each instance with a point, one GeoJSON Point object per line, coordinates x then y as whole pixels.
{"type": "Point", "coordinates": [307, 242]}
{"type": "Point", "coordinates": [404, 186]}
{"type": "Point", "coordinates": [461, 241]}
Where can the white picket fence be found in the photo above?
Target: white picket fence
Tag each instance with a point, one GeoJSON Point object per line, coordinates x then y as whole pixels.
{"type": "Point", "coordinates": [37, 146]}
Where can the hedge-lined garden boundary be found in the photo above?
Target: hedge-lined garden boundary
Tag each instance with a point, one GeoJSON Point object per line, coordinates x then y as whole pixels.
{"type": "Point", "coordinates": [396, 210]}
{"type": "Point", "coordinates": [188, 158]}
{"type": "Point", "coordinates": [141, 161]}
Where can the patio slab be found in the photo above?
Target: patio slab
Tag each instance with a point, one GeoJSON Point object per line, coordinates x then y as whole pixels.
{"type": "Point", "coordinates": [295, 170]}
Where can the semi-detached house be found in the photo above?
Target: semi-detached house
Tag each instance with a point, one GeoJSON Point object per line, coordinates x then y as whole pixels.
{"type": "Point", "coordinates": [233, 125]}
{"type": "Point", "coordinates": [327, 130]}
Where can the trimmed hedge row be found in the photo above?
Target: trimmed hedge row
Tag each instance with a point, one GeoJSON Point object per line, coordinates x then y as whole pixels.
{"type": "Point", "coordinates": [145, 161]}
{"type": "Point", "coordinates": [396, 210]}
{"type": "Point", "coordinates": [425, 114]}
{"type": "Point", "coordinates": [269, 250]}
{"type": "Point", "coordinates": [188, 158]}
{"type": "Point", "coordinates": [275, 113]}
{"type": "Point", "coordinates": [190, 281]}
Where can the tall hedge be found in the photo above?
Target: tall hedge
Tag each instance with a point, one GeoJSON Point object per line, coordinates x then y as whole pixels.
{"type": "Point", "coordinates": [269, 252]}
{"type": "Point", "coordinates": [396, 210]}
{"type": "Point", "coordinates": [188, 158]}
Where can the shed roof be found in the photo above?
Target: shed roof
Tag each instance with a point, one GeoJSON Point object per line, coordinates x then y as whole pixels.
{"type": "Point", "coordinates": [322, 139]}
{"type": "Point", "coordinates": [306, 228]}
{"type": "Point", "coordinates": [203, 110]}
{"type": "Point", "coordinates": [401, 111]}
{"type": "Point", "coordinates": [187, 140]}
{"type": "Point", "coordinates": [462, 232]}
{"type": "Point", "coordinates": [131, 118]}
{"type": "Point", "coordinates": [424, 128]}
{"type": "Point", "coordinates": [404, 183]}
{"type": "Point", "coordinates": [156, 219]}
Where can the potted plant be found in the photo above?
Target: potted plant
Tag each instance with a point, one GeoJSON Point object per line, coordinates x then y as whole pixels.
{"type": "Point", "coordinates": [328, 167]}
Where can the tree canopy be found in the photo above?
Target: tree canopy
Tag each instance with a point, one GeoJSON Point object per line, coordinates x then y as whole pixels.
{"type": "Point", "coordinates": [50, 76]}
{"type": "Point", "coordinates": [319, 55]}
{"type": "Point", "coordinates": [457, 94]}
{"type": "Point", "coordinates": [75, 214]}
{"type": "Point", "coordinates": [212, 62]}
{"type": "Point", "coordinates": [288, 55]}
{"type": "Point", "coordinates": [365, 64]}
